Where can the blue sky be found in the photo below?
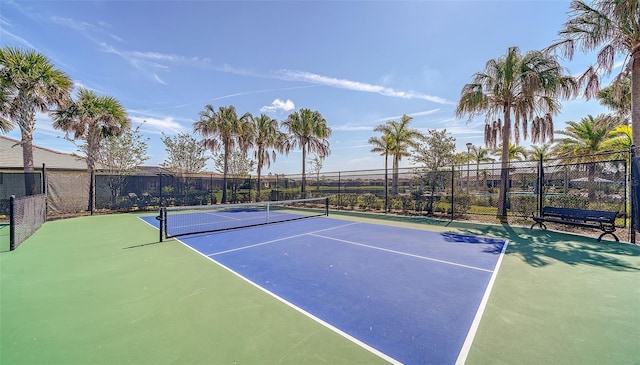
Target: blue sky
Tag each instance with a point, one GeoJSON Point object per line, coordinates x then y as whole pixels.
{"type": "Point", "coordinates": [358, 63]}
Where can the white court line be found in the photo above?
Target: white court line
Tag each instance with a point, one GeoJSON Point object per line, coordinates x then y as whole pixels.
{"type": "Point", "coordinates": [279, 239]}
{"type": "Point", "coordinates": [401, 253]}
{"type": "Point", "coordinates": [304, 312]}
{"type": "Point", "coordinates": [466, 347]}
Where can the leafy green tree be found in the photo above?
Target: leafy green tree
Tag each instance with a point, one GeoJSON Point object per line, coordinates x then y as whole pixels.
{"type": "Point", "coordinates": [523, 87]}
{"type": "Point", "coordinates": [435, 152]}
{"type": "Point", "coordinates": [29, 83]}
{"type": "Point", "coordinates": [223, 130]}
{"type": "Point", "coordinates": [307, 130]}
{"type": "Point", "coordinates": [403, 138]}
{"type": "Point", "coordinates": [122, 156]}
{"type": "Point", "coordinates": [185, 155]}
{"type": "Point", "coordinates": [91, 119]}
{"type": "Point", "coordinates": [315, 165]}
{"type": "Point", "coordinates": [612, 27]}
{"type": "Point", "coordinates": [583, 141]}
{"type": "Point", "coordinates": [239, 167]}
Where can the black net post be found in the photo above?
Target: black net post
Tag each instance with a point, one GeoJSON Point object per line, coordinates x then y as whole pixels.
{"type": "Point", "coordinates": [326, 206]}
{"type": "Point", "coordinates": [12, 222]}
{"type": "Point", "coordinates": [161, 223]}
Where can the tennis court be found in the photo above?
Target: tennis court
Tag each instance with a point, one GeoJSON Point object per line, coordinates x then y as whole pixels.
{"type": "Point", "coordinates": [407, 295]}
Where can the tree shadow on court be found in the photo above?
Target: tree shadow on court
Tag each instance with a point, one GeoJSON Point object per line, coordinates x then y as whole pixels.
{"type": "Point", "coordinates": [540, 247]}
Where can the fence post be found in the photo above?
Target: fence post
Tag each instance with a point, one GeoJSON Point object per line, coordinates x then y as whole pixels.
{"type": "Point", "coordinates": [12, 223]}
{"type": "Point", "coordinates": [339, 197]}
{"type": "Point", "coordinates": [540, 185]}
{"type": "Point", "coordinates": [453, 185]}
{"type": "Point", "coordinates": [634, 197]}
{"type": "Point", "coordinates": [386, 189]}
{"type": "Point", "coordinates": [45, 188]}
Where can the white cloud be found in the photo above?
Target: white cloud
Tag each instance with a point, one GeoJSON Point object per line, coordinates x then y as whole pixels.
{"type": "Point", "coordinates": [166, 124]}
{"type": "Point", "coordinates": [279, 105]}
{"type": "Point", "coordinates": [357, 86]}
{"type": "Point", "coordinates": [352, 128]}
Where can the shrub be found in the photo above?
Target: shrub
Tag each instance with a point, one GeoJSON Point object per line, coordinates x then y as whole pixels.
{"type": "Point", "coordinates": [524, 205]}
{"type": "Point", "coordinates": [569, 201]}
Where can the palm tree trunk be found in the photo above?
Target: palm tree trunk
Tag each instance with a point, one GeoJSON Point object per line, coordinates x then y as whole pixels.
{"type": "Point", "coordinates": [27, 122]}
{"type": "Point", "coordinates": [504, 173]}
{"type": "Point", "coordinates": [635, 97]}
{"type": "Point", "coordinates": [396, 161]}
{"type": "Point", "coordinates": [224, 175]}
{"type": "Point", "coordinates": [386, 182]}
{"type": "Point", "coordinates": [258, 187]}
{"type": "Point", "coordinates": [304, 160]}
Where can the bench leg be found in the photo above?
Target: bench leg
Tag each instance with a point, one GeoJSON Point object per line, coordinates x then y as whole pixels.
{"type": "Point", "coordinates": [542, 225]}
{"type": "Point", "coordinates": [611, 233]}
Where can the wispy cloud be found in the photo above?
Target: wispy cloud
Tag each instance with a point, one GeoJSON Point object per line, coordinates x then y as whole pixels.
{"type": "Point", "coordinates": [357, 86]}
{"type": "Point", "coordinates": [155, 123]}
{"type": "Point", "coordinates": [262, 91]}
{"type": "Point", "coordinates": [279, 105]}
{"type": "Point", "coordinates": [369, 127]}
{"type": "Point", "coordinates": [416, 114]}
{"type": "Point", "coordinates": [4, 33]}
{"type": "Point", "coordinates": [86, 29]}
{"type": "Point", "coordinates": [352, 128]}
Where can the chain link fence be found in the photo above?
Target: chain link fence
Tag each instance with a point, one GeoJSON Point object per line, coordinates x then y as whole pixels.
{"type": "Point", "coordinates": [465, 190]}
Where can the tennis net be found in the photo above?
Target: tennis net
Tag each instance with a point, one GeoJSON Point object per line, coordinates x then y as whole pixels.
{"type": "Point", "coordinates": [180, 221]}
{"type": "Point", "coordinates": [26, 215]}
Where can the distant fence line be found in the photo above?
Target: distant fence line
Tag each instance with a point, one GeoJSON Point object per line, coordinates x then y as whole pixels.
{"type": "Point", "coordinates": [465, 189]}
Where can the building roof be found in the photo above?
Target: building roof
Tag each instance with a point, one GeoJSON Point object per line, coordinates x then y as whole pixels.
{"type": "Point", "coordinates": [11, 157]}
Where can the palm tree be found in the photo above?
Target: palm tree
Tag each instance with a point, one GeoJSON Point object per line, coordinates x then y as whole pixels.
{"type": "Point", "coordinates": [525, 87]}
{"type": "Point", "coordinates": [617, 98]}
{"type": "Point", "coordinates": [620, 139]}
{"type": "Point", "coordinates": [29, 83]}
{"type": "Point", "coordinates": [307, 130]}
{"type": "Point", "coordinates": [267, 140]}
{"type": "Point", "coordinates": [479, 155]}
{"type": "Point", "coordinates": [91, 118]}
{"type": "Point", "coordinates": [384, 146]}
{"type": "Point", "coordinates": [402, 138]}
{"type": "Point", "coordinates": [612, 28]}
{"type": "Point", "coordinates": [222, 129]}
{"type": "Point", "coordinates": [584, 140]}
{"type": "Point", "coordinates": [540, 152]}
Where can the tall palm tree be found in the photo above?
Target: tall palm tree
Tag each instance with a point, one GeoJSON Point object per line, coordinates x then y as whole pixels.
{"type": "Point", "coordinates": [91, 118]}
{"type": "Point", "coordinates": [613, 28]}
{"type": "Point", "coordinates": [308, 130]}
{"type": "Point", "coordinates": [526, 87]}
{"type": "Point", "coordinates": [583, 141]}
{"type": "Point", "coordinates": [29, 83]}
{"type": "Point", "coordinates": [267, 140]}
{"type": "Point", "coordinates": [384, 146]}
{"type": "Point", "coordinates": [223, 129]}
{"type": "Point", "coordinates": [540, 152]}
{"type": "Point", "coordinates": [402, 138]}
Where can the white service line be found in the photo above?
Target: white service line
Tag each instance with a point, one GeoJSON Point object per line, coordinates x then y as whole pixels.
{"type": "Point", "coordinates": [401, 253]}
{"type": "Point", "coordinates": [280, 239]}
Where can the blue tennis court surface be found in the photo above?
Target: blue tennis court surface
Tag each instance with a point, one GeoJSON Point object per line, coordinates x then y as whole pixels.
{"type": "Point", "coordinates": [409, 295]}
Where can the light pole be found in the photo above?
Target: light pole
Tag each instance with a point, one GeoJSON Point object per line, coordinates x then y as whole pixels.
{"type": "Point", "coordinates": [469, 145]}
